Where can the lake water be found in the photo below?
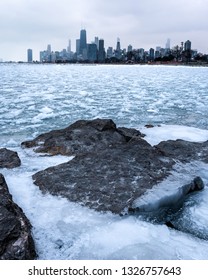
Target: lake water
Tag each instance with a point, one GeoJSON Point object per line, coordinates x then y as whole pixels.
{"type": "Point", "coordinates": [39, 98]}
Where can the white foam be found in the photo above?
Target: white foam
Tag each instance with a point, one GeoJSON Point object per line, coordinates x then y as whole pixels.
{"type": "Point", "coordinates": [45, 113]}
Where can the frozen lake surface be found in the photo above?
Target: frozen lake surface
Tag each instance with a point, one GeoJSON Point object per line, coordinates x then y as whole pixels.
{"type": "Point", "coordinates": [39, 98]}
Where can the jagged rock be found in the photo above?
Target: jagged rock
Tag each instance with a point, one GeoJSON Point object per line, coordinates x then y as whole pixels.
{"type": "Point", "coordinates": [9, 159]}
{"type": "Point", "coordinates": [16, 242]}
{"type": "Point", "coordinates": [183, 151]}
{"type": "Point", "coordinates": [81, 137]}
{"type": "Point", "coordinates": [112, 166]}
{"type": "Point", "coordinates": [116, 167]}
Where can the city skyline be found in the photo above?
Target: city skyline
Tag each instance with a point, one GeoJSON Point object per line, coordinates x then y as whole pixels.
{"type": "Point", "coordinates": [96, 51]}
{"type": "Point", "coordinates": [34, 24]}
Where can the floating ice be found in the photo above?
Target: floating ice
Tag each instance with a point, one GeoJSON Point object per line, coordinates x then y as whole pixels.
{"type": "Point", "coordinates": [39, 98]}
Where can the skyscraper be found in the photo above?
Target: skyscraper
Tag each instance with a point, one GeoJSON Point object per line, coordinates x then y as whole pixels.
{"type": "Point", "coordinates": [92, 52]}
{"type": "Point", "coordinates": [49, 49]}
{"type": "Point", "coordinates": [83, 41]}
{"type": "Point", "coordinates": [101, 51]}
{"type": "Point", "coordinates": [77, 46]}
{"type": "Point", "coordinates": [118, 49]}
{"type": "Point", "coordinates": [97, 42]}
{"type": "Point", "coordinates": [118, 45]}
{"type": "Point", "coordinates": [29, 55]}
{"type": "Point", "coordinates": [167, 46]}
{"type": "Point", "coordinates": [69, 47]}
{"type": "Point", "coordinates": [151, 54]}
{"type": "Point", "coordinates": [187, 45]}
{"type": "Point", "coordinates": [130, 48]}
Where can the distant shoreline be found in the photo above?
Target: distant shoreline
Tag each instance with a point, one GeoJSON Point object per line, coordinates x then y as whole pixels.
{"type": "Point", "coordinates": [197, 64]}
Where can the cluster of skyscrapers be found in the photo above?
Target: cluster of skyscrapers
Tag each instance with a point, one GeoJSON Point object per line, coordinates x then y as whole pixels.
{"type": "Point", "coordinates": [92, 52]}
{"type": "Point", "coordinates": [96, 52]}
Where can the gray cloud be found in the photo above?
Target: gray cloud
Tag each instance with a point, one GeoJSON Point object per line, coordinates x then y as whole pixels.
{"type": "Point", "coordinates": [33, 24]}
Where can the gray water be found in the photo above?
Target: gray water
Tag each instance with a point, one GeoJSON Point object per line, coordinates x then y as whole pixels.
{"type": "Point", "coordinates": [39, 98]}
{"type": "Point", "coordinates": [36, 98]}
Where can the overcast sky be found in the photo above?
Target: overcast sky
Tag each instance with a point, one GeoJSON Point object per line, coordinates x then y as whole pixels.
{"type": "Point", "coordinates": [142, 23]}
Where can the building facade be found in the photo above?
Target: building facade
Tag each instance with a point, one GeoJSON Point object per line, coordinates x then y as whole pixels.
{"type": "Point", "coordinates": [29, 55]}
{"type": "Point", "coordinates": [83, 42]}
{"type": "Point", "coordinates": [101, 51]}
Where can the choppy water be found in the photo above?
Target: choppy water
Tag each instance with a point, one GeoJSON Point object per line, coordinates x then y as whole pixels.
{"type": "Point", "coordinates": [38, 98]}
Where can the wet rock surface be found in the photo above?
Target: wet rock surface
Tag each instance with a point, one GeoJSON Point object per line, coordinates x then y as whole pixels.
{"type": "Point", "coordinates": [16, 242]}
{"type": "Point", "coordinates": [112, 166]}
{"type": "Point", "coordinates": [9, 159]}
{"type": "Point", "coordinates": [82, 137]}
{"type": "Point", "coordinates": [184, 151]}
{"type": "Point", "coordinates": [107, 180]}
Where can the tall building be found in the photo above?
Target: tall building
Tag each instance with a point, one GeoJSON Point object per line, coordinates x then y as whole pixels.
{"type": "Point", "coordinates": [118, 49]}
{"type": "Point", "coordinates": [92, 52]}
{"type": "Point", "coordinates": [49, 49]}
{"type": "Point", "coordinates": [77, 46]}
{"type": "Point", "coordinates": [29, 55]}
{"type": "Point", "coordinates": [187, 45]}
{"type": "Point", "coordinates": [101, 51]}
{"type": "Point", "coordinates": [151, 54]}
{"type": "Point", "coordinates": [130, 48]}
{"type": "Point", "coordinates": [83, 41]}
{"type": "Point", "coordinates": [69, 47]}
{"type": "Point", "coordinates": [97, 42]}
{"type": "Point", "coordinates": [118, 45]}
{"type": "Point", "coordinates": [109, 52]}
{"type": "Point", "coordinates": [167, 45]}
{"type": "Point", "coordinates": [187, 53]}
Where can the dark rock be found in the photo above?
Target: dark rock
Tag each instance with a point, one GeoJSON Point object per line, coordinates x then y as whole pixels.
{"type": "Point", "coordinates": [112, 166]}
{"type": "Point", "coordinates": [81, 137]}
{"type": "Point", "coordinates": [9, 159]}
{"type": "Point", "coordinates": [129, 133]}
{"type": "Point", "coordinates": [149, 125]}
{"type": "Point", "coordinates": [183, 151]}
{"type": "Point", "coordinates": [16, 242]}
{"type": "Point", "coordinates": [108, 179]}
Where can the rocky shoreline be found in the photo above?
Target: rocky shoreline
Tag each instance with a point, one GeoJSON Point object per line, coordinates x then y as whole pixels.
{"type": "Point", "coordinates": [111, 168]}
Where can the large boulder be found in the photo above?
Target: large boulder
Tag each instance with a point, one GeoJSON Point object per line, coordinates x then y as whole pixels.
{"type": "Point", "coordinates": [112, 166]}
{"type": "Point", "coordinates": [108, 179]}
{"type": "Point", "coordinates": [81, 137]}
{"type": "Point", "coordinates": [16, 242]}
{"type": "Point", "coordinates": [9, 159]}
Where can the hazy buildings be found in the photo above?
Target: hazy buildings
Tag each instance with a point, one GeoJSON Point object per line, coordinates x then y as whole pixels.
{"type": "Point", "coordinates": [187, 46]}
{"type": "Point", "coordinates": [130, 48]}
{"type": "Point", "coordinates": [97, 42]}
{"type": "Point", "coordinates": [95, 52]}
{"type": "Point", "coordinates": [92, 52]}
{"type": "Point", "coordinates": [29, 55]}
{"type": "Point", "coordinates": [167, 45]}
{"type": "Point", "coordinates": [69, 47]}
{"type": "Point", "coordinates": [83, 42]}
{"type": "Point", "coordinates": [101, 51]}
{"type": "Point", "coordinates": [151, 54]}
{"type": "Point", "coordinates": [118, 49]}
{"type": "Point", "coordinates": [109, 52]}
